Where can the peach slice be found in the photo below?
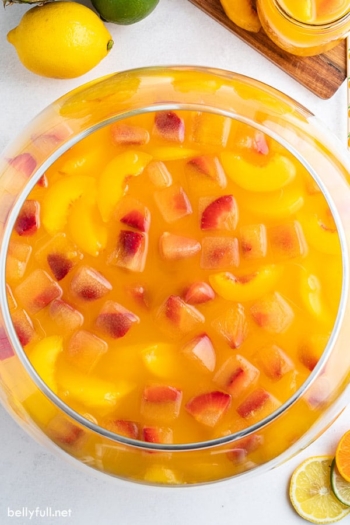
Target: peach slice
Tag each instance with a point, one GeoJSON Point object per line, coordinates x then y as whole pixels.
{"type": "Point", "coordinates": [245, 287]}
{"type": "Point", "coordinates": [59, 198]}
{"type": "Point", "coordinates": [278, 204]}
{"type": "Point", "coordinates": [128, 163]}
{"type": "Point", "coordinates": [273, 176]}
{"type": "Point", "coordinates": [236, 375]}
{"type": "Point", "coordinates": [313, 297]}
{"type": "Point", "coordinates": [43, 357]}
{"type": "Point", "coordinates": [208, 408]}
{"type": "Point", "coordinates": [272, 313]}
{"type": "Point", "coordinates": [321, 232]}
{"type": "Point", "coordinates": [243, 13]}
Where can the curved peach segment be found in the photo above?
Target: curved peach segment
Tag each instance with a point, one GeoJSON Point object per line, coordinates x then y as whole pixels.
{"type": "Point", "coordinates": [243, 13]}
{"type": "Point", "coordinates": [43, 357]}
{"type": "Point", "coordinates": [159, 359]}
{"type": "Point", "coordinates": [313, 297]}
{"type": "Point", "coordinates": [86, 227]}
{"type": "Point", "coordinates": [321, 236]}
{"type": "Point", "coordinates": [58, 199]}
{"type": "Point", "coordinates": [273, 176]}
{"type": "Point", "coordinates": [128, 163]}
{"type": "Point", "coordinates": [277, 204]}
{"type": "Point", "coordinates": [246, 287]}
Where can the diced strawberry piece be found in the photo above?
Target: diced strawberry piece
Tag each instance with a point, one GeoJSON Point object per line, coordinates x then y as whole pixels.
{"type": "Point", "coordinates": [173, 203]}
{"type": "Point", "coordinates": [28, 220]}
{"type": "Point", "coordinates": [131, 251]}
{"type": "Point", "coordinates": [126, 135]}
{"type": "Point", "coordinates": [157, 435]}
{"type": "Point", "coordinates": [175, 247]}
{"type": "Point", "coordinates": [84, 350]}
{"type": "Point", "coordinates": [169, 126]}
{"type": "Point", "coordinates": [65, 316]}
{"type": "Point", "coordinates": [236, 375]}
{"type": "Point", "coordinates": [63, 431]}
{"type": "Point", "coordinates": [220, 214]}
{"type": "Point", "coordinates": [209, 167]}
{"type": "Point", "coordinates": [287, 241]}
{"type": "Point", "coordinates": [124, 428]}
{"type": "Point", "coordinates": [23, 326]}
{"type": "Point", "coordinates": [158, 174]}
{"type": "Point", "coordinates": [89, 285]}
{"type": "Point", "coordinates": [209, 408]}
{"type": "Point", "coordinates": [37, 291]}
{"type": "Point", "coordinates": [43, 182]}
{"type": "Point", "coordinates": [232, 326]}
{"type": "Point", "coordinates": [253, 240]}
{"type": "Point", "coordinates": [201, 350]}
{"type": "Point", "coordinates": [198, 293]}
{"type": "Point", "coordinates": [162, 394]}
{"type": "Point", "coordinates": [25, 163]}
{"type": "Point", "coordinates": [59, 264]}
{"type": "Point", "coordinates": [219, 253]}
{"type": "Point", "coordinates": [272, 313]}
{"type": "Point", "coordinates": [136, 219]}
{"type": "Point", "coordinates": [6, 349]}
{"type": "Point", "coordinates": [254, 403]}
{"type": "Point", "coordinates": [115, 321]}
{"type": "Point", "coordinates": [274, 362]}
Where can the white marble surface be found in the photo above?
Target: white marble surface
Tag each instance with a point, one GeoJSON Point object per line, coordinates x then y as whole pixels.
{"type": "Point", "coordinates": [30, 477]}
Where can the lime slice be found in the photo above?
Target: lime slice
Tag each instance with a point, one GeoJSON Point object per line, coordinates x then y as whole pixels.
{"type": "Point", "coordinates": [340, 486]}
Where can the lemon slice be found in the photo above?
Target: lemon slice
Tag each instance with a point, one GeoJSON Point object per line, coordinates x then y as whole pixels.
{"type": "Point", "coordinates": [340, 486]}
{"type": "Point", "coordinates": [311, 493]}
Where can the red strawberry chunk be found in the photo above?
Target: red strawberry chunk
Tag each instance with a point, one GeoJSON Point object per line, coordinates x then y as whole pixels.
{"type": "Point", "coordinates": [175, 247]}
{"type": "Point", "coordinates": [138, 220]}
{"type": "Point", "coordinates": [173, 203]}
{"type": "Point", "coordinates": [131, 251]}
{"type": "Point", "coordinates": [25, 163]}
{"type": "Point", "coordinates": [23, 326]}
{"type": "Point", "coordinates": [59, 264]}
{"type": "Point", "coordinates": [221, 214]}
{"type": "Point", "coordinates": [28, 220]}
{"type": "Point", "coordinates": [89, 285]}
{"type": "Point", "coordinates": [209, 408]}
{"type": "Point", "coordinates": [115, 321]}
{"type": "Point", "coordinates": [253, 403]}
{"type": "Point", "coordinates": [124, 428]}
{"type": "Point", "coordinates": [161, 394]}
{"type": "Point", "coordinates": [169, 126]}
{"type": "Point", "coordinates": [198, 293]}
{"type": "Point", "coordinates": [157, 435]}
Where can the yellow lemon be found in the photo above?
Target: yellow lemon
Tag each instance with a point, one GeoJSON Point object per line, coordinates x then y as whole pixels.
{"type": "Point", "coordinates": [60, 40]}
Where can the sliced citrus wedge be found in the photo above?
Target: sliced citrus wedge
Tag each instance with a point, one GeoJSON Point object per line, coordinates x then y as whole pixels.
{"type": "Point", "coordinates": [340, 486]}
{"type": "Point", "coordinates": [311, 494]}
{"type": "Point", "coordinates": [342, 456]}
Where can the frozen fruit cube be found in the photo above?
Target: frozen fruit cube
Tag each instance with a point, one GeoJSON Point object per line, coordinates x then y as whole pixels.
{"type": "Point", "coordinates": [209, 408]}
{"type": "Point", "coordinates": [253, 241]}
{"type": "Point", "coordinates": [273, 361]}
{"type": "Point", "coordinates": [157, 434]}
{"type": "Point", "coordinates": [272, 313]}
{"type": "Point", "coordinates": [236, 375]}
{"type": "Point", "coordinates": [311, 349]}
{"type": "Point", "coordinates": [287, 241]}
{"type": "Point", "coordinates": [6, 348]}
{"type": "Point", "coordinates": [89, 285]}
{"type": "Point", "coordinates": [126, 135]}
{"type": "Point", "coordinates": [259, 403]}
{"type": "Point", "coordinates": [65, 316]}
{"type": "Point", "coordinates": [232, 326]}
{"type": "Point", "coordinates": [161, 402]}
{"type": "Point", "coordinates": [206, 171]}
{"type": "Point", "coordinates": [17, 259]}
{"type": "Point", "coordinates": [169, 126]}
{"type": "Point", "coordinates": [220, 214]}
{"type": "Point", "coordinates": [37, 291]}
{"type": "Point", "coordinates": [23, 326]}
{"type": "Point", "coordinates": [210, 129]}
{"type": "Point", "coordinates": [244, 446]}
{"type": "Point", "coordinates": [28, 220]}
{"type": "Point", "coordinates": [84, 350]}
{"type": "Point", "coordinates": [137, 220]}
{"type": "Point", "coordinates": [59, 255]}
{"type": "Point", "coordinates": [123, 427]}
{"type": "Point", "coordinates": [175, 247]}
{"type": "Point", "coordinates": [173, 203]}
{"type": "Point", "coordinates": [24, 163]}
{"type": "Point", "coordinates": [140, 295]}
{"type": "Point", "coordinates": [178, 318]}
{"type": "Point", "coordinates": [114, 320]}
{"type": "Point", "coordinates": [47, 142]}
{"type": "Point", "coordinates": [219, 253]}
{"type": "Point", "coordinates": [158, 174]}
{"type": "Point", "coordinates": [63, 431]}
{"type": "Point", "coordinates": [11, 301]}
{"type": "Point", "coordinates": [131, 251]}
{"type": "Point", "coordinates": [200, 350]}
{"type": "Point", "coordinates": [198, 293]}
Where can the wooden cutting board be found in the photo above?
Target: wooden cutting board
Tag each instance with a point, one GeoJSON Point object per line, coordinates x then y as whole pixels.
{"type": "Point", "coordinates": [322, 74]}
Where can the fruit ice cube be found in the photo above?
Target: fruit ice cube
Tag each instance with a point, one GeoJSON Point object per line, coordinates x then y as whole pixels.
{"type": "Point", "coordinates": [199, 292]}
{"type": "Point", "coordinates": [157, 434]}
{"type": "Point", "coordinates": [89, 285]}
{"type": "Point", "coordinates": [131, 251]}
{"type": "Point", "coordinates": [220, 214]}
{"type": "Point", "coordinates": [253, 241]}
{"type": "Point", "coordinates": [311, 349]}
{"type": "Point", "coordinates": [232, 326]}
{"type": "Point", "coordinates": [63, 431]}
{"type": "Point", "coordinates": [206, 171]}
{"type": "Point", "coordinates": [25, 163]}
{"type": "Point", "coordinates": [84, 350]}
{"type": "Point", "coordinates": [65, 316]}
{"type": "Point", "coordinates": [43, 357]}
{"type": "Point", "coordinates": [158, 174]}
{"type": "Point", "coordinates": [273, 361]}
{"type": "Point", "coordinates": [127, 135]}
{"type": "Point", "coordinates": [200, 350]}
{"type": "Point", "coordinates": [137, 219]}
{"type": "Point", "coordinates": [37, 291]}
{"type": "Point", "coordinates": [6, 349]}
{"type": "Point", "coordinates": [169, 126]}
{"type": "Point", "coordinates": [258, 403]}
{"type": "Point", "coordinates": [46, 143]}
{"type": "Point", "coordinates": [161, 402]}
{"type": "Point", "coordinates": [210, 129]}
{"type": "Point", "coordinates": [175, 247]}
{"type": "Point", "coordinates": [177, 318]}
{"type": "Point", "coordinates": [244, 446]}
{"type": "Point", "coordinates": [272, 313]}
{"type": "Point", "coordinates": [287, 241]}
{"type": "Point", "coordinates": [139, 294]}
{"type": "Point", "coordinates": [208, 408]}
{"type": "Point", "coordinates": [236, 375]}
{"type": "Point", "coordinates": [59, 255]}
{"type": "Point", "coordinates": [28, 220]}
{"type": "Point", "coordinates": [114, 320]}
{"type": "Point", "coordinates": [123, 427]}
{"type": "Point", "coordinates": [173, 203]}
{"type": "Point", "coordinates": [219, 253]}
{"type": "Point", "coordinates": [23, 326]}
{"type": "Point", "coordinates": [17, 259]}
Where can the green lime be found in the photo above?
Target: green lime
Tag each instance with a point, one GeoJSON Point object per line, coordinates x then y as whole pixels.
{"type": "Point", "coordinates": [124, 12]}
{"type": "Point", "coordinates": [340, 486]}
